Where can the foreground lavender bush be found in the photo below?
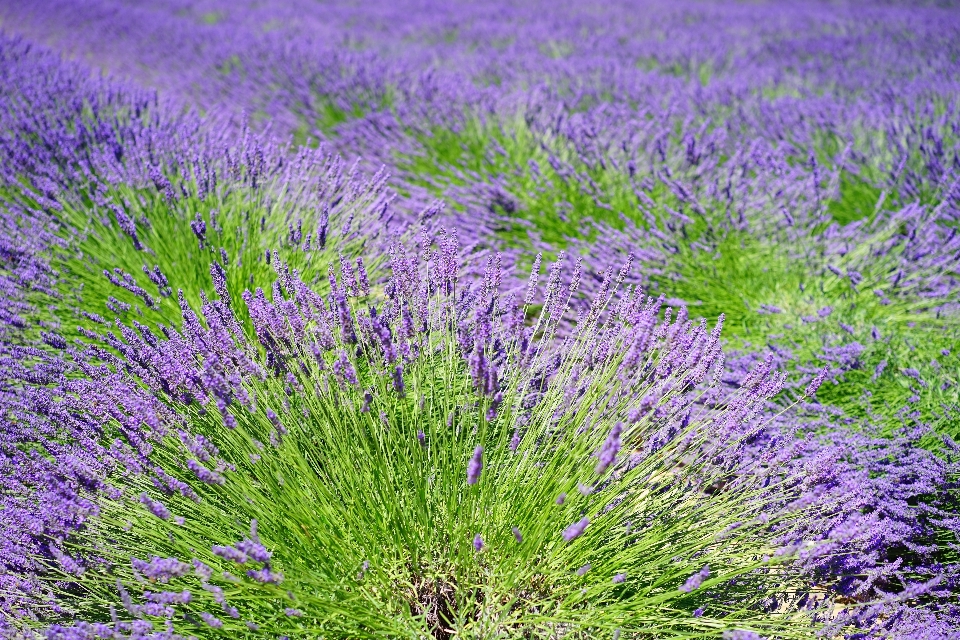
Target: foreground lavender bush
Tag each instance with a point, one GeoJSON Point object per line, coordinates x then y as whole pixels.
{"type": "Point", "coordinates": [428, 464]}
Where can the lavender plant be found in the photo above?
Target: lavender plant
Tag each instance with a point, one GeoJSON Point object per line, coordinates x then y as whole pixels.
{"type": "Point", "coordinates": [427, 464]}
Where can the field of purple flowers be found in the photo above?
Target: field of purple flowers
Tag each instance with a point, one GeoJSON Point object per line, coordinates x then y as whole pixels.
{"type": "Point", "coordinates": [419, 319]}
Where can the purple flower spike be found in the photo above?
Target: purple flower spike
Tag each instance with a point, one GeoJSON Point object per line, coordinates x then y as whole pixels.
{"type": "Point", "coordinates": [878, 371]}
{"type": "Point", "coordinates": [619, 578]}
{"type": "Point", "coordinates": [475, 466]}
{"type": "Point", "coordinates": [811, 389]}
{"type": "Point", "coordinates": [693, 582]}
{"type": "Point", "coordinates": [517, 534]}
{"type": "Point", "coordinates": [575, 530]}
{"type": "Point", "coordinates": [160, 569]}
{"type": "Point", "coordinates": [156, 508]}
{"type": "Point", "coordinates": [515, 441]}
{"type": "Point", "coordinates": [211, 620]}
{"type": "Point", "coordinates": [230, 553]}
{"type": "Point", "coordinates": [265, 576]}
{"type": "Point", "coordinates": [608, 453]}
{"type": "Point", "coordinates": [582, 571]}
{"type": "Point", "coordinates": [344, 370]}
{"type": "Point", "coordinates": [477, 543]}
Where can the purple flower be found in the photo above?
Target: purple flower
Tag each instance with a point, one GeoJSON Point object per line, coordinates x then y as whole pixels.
{"type": "Point", "coordinates": [344, 370]}
{"type": "Point", "coordinates": [203, 474]}
{"type": "Point", "coordinates": [127, 225]}
{"type": "Point", "coordinates": [199, 227]}
{"type": "Point", "coordinates": [575, 530]}
{"type": "Point", "coordinates": [398, 380]}
{"type": "Point", "coordinates": [364, 281]}
{"type": "Point", "coordinates": [534, 276]}
{"type": "Point", "coordinates": [211, 620]}
{"type": "Point", "coordinates": [694, 581]}
{"type": "Point", "coordinates": [160, 569]}
{"type": "Point", "coordinates": [477, 543]}
{"type": "Point", "coordinates": [913, 373]}
{"type": "Point", "coordinates": [619, 578]}
{"type": "Point", "coordinates": [517, 534]}
{"type": "Point", "coordinates": [475, 466]}
{"type": "Point", "coordinates": [811, 389]}
{"type": "Point", "coordinates": [219, 277]}
{"type": "Point", "coordinates": [582, 571]}
{"type": "Point", "coordinates": [229, 553]}
{"type": "Point", "coordinates": [265, 576]}
{"type": "Point", "coordinates": [168, 597]}
{"type": "Point", "coordinates": [608, 452]}
{"type": "Point", "coordinates": [156, 508]}
{"type": "Point", "coordinates": [878, 371]}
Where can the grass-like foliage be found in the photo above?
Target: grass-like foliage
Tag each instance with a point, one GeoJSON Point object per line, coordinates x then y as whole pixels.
{"type": "Point", "coordinates": [430, 464]}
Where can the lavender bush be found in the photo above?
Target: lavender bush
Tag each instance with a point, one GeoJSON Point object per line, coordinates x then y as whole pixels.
{"type": "Point", "coordinates": [506, 488]}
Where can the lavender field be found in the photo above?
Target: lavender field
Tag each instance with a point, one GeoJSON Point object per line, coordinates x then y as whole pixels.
{"type": "Point", "coordinates": [492, 320]}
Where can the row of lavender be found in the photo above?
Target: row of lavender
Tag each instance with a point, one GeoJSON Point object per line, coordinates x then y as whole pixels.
{"type": "Point", "coordinates": [124, 147]}
{"type": "Point", "coordinates": [715, 125]}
